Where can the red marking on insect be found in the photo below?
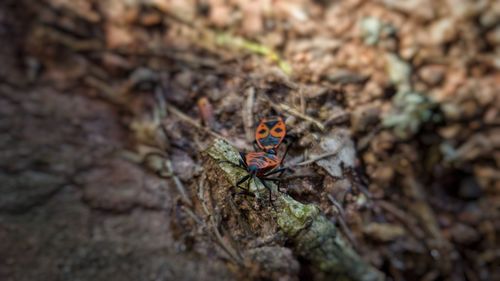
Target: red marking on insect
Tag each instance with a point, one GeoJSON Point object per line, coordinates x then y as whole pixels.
{"type": "Point", "coordinates": [260, 166]}
{"type": "Point", "coordinates": [270, 133]}
{"type": "Point", "coordinates": [259, 163]}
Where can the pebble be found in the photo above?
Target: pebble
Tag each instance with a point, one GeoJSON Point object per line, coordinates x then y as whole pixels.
{"type": "Point", "coordinates": [464, 234]}
{"type": "Point", "coordinates": [432, 74]}
{"type": "Point", "coordinates": [469, 189]}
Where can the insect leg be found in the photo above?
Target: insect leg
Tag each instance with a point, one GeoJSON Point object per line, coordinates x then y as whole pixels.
{"type": "Point", "coordinates": [255, 146]}
{"type": "Point", "coordinates": [245, 191]}
{"type": "Point", "coordinates": [289, 140]}
{"type": "Point", "coordinates": [270, 192]}
{"type": "Point", "coordinates": [280, 170]}
{"type": "Point", "coordinates": [232, 164]}
{"type": "Point", "coordinates": [242, 180]}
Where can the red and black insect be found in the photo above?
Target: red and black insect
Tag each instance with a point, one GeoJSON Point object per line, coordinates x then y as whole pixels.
{"type": "Point", "coordinates": [270, 133]}
{"type": "Point", "coordinates": [259, 165]}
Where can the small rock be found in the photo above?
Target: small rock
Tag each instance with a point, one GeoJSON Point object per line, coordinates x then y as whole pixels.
{"type": "Point", "coordinates": [399, 71]}
{"type": "Point", "coordinates": [419, 8]}
{"type": "Point", "coordinates": [117, 36]}
{"type": "Point", "coordinates": [432, 74]}
{"type": "Point", "coordinates": [252, 19]}
{"type": "Point", "coordinates": [442, 31]}
{"type": "Point", "coordinates": [119, 186]}
{"type": "Point", "coordinates": [451, 131]}
{"type": "Point", "coordinates": [383, 231]}
{"type": "Point", "coordinates": [340, 142]}
{"type": "Point", "coordinates": [275, 259]}
{"type": "Point", "coordinates": [27, 189]}
{"type": "Point", "coordinates": [371, 28]}
{"type": "Point", "coordinates": [383, 174]}
{"type": "Point", "coordinates": [343, 76]}
{"type": "Point", "coordinates": [365, 116]}
{"type": "Point", "coordinates": [464, 234]}
{"type": "Point", "coordinates": [220, 15]}
{"type": "Point", "coordinates": [493, 37]}
{"type": "Point", "coordinates": [470, 189]}
{"type": "Point", "coordinates": [183, 165]}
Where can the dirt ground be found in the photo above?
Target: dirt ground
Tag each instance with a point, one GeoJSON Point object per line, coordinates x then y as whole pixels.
{"type": "Point", "coordinates": [107, 107]}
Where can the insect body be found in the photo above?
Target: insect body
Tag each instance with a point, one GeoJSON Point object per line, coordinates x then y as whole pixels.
{"type": "Point", "coordinates": [270, 133]}
{"type": "Point", "coordinates": [259, 165]}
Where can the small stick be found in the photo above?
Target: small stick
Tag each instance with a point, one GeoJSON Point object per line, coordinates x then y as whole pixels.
{"type": "Point", "coordinates": [337, 118]}
{"type": "Point", "coordinates": [248, 113]}
{"type": "Point", "coordinates": [342, 222]}
{"type": "Point", "coordinates": [107, 92]}
{"type": "Point", "coordinates": [302, 101]}
{"type": "Point", "coordinates": [178, 183]}
{"type": "Point", "coordinates": [193, 216]}
{"type": "Point", "coordinates": [220, 240]}
{"type": "Point", "coordinates": [407, 220]}
{"type": "Point", "coordinates": [337, 205]}
{"type": "Point", "coordinates": [196, 124]}
{"type": "Point", "coordinates": [319, 157]}
{"type": "Point", "coordinates": [297, 113]}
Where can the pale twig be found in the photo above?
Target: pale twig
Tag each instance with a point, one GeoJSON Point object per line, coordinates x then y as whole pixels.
{"type": "Point", "coordinates": [193, 215]}
{"type": "Point", "coordinates": [337, 205]}
{"type": "Point", "coordinates": [166, 164]}
{"type": "Point", "coordinates": [71, 42]}
{"type": "Point", "coordinates": [339, 117]}
{"type": "Point", "coordinates": [197, 124]}
{"type": "Point", "coordinates": [109, 93]}
{"type": "Point", "coordinates": [297, 113]}
{"type": "Point", "coordinates": [214, 226]}
{"type": "Point", "coordinates": [407, 220]}
{"type": "Point", "coordinates": [342, 222]}
{"type": "Point", "coordinates": [321, 156]}
{"type": "Point", "coordinates": [248, 113]}
{"type": "Point", "coordinates": [178, 183]}
{"type": "Point", "coordinates": [302, 101]}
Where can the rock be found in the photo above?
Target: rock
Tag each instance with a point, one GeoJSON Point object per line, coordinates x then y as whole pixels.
{"type": "Point", "coordinates": [470, 189]}
{"type": "Point", "coordinates": [338, 141]}
{"type": "Point", "coordinates": [120, 186]}
{"type": "Point", "coordinates": [343, 76]}
{"type": "Point", "coordinates": [419, 8]}
{"type": "Point", "coordinates": [27, 189]}
{"type": "Point", "coordinates": [464, 234]}
{"type": "Point", "coordinates": [252, 18]}
{"type": "Point", "coordinates": [183, 165]}
{"type": "Point", "coordinates": [373, 29]}
{"type": "Point", "coordinates": [399, 71]}
{"type": "Point", "coordinates": [275, 259]}
{"type": "Point", "coordinates": [220, 15]}
{"type": "Point", "coordinates": [365, 116]}
{"type": "Point", "coordinates": [383, 174]}
{"type": "Point", "coordinates": [384, 232]}
{"type": "Point", "coordinates": [432, 74]}
{"type": "Point", "coordinates": [442, 31]}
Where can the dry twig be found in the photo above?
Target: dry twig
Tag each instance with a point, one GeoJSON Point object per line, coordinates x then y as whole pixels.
{"type": "Point", "coordinates": [321, 156]}
{"type": "Point", "coordinates": [342, 222]}
{"type": "Point", "coordinates": [172, 109]}
{"type": "Point", "coordinates": [248, 113]}
{"type": "Point", "coordinates": [235, 255]}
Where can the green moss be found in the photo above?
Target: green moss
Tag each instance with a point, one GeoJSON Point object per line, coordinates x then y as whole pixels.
{"type": "Point", "coordinates": [312, 236]}
{"type": "Point", "coordinates": [293, 216]}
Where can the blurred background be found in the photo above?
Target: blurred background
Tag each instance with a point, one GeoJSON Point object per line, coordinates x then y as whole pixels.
{"type": "Point", "coordinates": [106, 106]}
